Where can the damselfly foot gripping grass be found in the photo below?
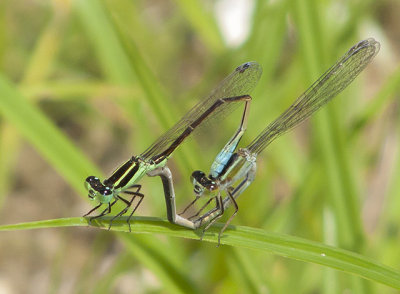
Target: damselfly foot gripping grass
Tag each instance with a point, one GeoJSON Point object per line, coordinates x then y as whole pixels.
{"type": "Point", "coordinates": [232, 172]}
{"type": "Point", "coordinates": [231, 92]}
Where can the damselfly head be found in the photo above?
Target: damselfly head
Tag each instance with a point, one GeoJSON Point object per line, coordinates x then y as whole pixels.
{"type": "Point", "coordinates": [201, 183]}
{"type": "Point", "coordinates": [96, 189]}
{"type": "Point", "coordinates": [195, 178]}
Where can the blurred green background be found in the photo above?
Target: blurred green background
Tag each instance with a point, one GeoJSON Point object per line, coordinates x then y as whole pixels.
{"type": "Point", "coordinates": [106, 78]}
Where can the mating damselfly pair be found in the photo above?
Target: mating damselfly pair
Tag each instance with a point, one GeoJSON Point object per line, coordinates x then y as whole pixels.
{"type": "Point", "coordinates": [233, 169]}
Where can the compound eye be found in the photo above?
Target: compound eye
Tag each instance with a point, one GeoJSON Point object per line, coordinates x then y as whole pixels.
{"type": "Point", "coordinates": [107, 191]}
{"type": "Point", "coordinates": [194, 178]}
{"type": "Point", "coordinates": [93, 182]}
{"type": "Point", "coordinates": [198, 174]}
{"type": "Point", "coordinates": [91, 179]}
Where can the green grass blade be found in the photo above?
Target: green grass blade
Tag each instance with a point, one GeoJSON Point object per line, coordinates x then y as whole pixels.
{"type": "Point", "coordinates": [330, 134]}
{"type": "Point", "coordinates": [381, 99]}
{"type": "Point", "coordinates": [112, 58]}
{"type": "Point", "coordinates": [39, 67]}
{"type": "Point", "coordinates": [42, 134]}
{"type": "Point", "coordinates": [69, 90]}
{"type": "Point", "coordinates": [204, 23]}
{"type": "Point", "coordinates": [124, 65]}
{"type": "Point", "coordinates": [9, 147]}
{"type": "Point", "coordinates": [244, 266]}
{"type": "Point", "coordinates": [244, 237]}
{"type": "Point", "coordinates": [149, 254]}
{"type": "Point", "coordinates": [154, 94]}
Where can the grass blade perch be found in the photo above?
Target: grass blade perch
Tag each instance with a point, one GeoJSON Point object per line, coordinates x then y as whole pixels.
{"type": "Point", "coordinates": [232, 172]}
{"type": "Point", "coordinates": [231, 92]}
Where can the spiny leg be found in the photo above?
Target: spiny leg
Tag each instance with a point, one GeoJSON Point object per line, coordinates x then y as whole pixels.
{"type": "Point", "coordinates": [135, 186]}
{"type": "Point", "coordinates": [220, 211]}
{"type": "Point", "coordinates": [190, 205]}
{"type": "Point", "coordinates": [127, 203]}
{"type": "Point", "coordinates": [165, 173]}
{"type": "Point", "coordinates": [100, 204]}
{"type": "Point", "coordinates": [204, 206]}
{"type": "Point", "coordinates": [209, 214]}
{"type": "Point", "coordinates": [234, 192]}
{"type": "Point", "coordinates": [107, 210]}
{"type": "Point", "coordinates": [137, 205]}
{"type": "Point", "coordinates": [232, 199]}
{"type": "Point", "coordinates": [228, 150]}
{"type": "Point", "coordinates": [104, 212]}
{"type": "Point", "coordinates": [134, 194]}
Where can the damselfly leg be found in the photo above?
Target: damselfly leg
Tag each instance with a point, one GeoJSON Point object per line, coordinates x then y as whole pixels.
{"type": "Point", "coordinates": [128, 204]}
{"type": "Point", "coordinates": [217, 213]}
{"type": "Point", "coordinates": [231, 92]}
{"type": "Point", "coordinates": [103, 213]}
{"type": "Point", "coordinates": [239, 167]}
{"type": "Point", "coordinates": [222, 158]}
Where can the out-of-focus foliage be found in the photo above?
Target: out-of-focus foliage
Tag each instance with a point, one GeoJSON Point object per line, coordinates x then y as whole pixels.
{"type": "Point", "coordinates": [88, 83]}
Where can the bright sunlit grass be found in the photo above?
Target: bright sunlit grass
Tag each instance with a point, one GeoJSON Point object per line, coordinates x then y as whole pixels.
{"type": "Point", "coordinates": [326, 194]}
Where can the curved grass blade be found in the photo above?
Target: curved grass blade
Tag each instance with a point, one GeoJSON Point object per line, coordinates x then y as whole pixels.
{"type": "Point", "coordinates": [41, 133]}
{"type": "Point", "coordinates": [245, 237]}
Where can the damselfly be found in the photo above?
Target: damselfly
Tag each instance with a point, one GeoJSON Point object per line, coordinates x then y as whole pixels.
{"type": "Point", "coordinates": [239, 168]}
{"type": "Point", "coordinates": [232, 91]}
